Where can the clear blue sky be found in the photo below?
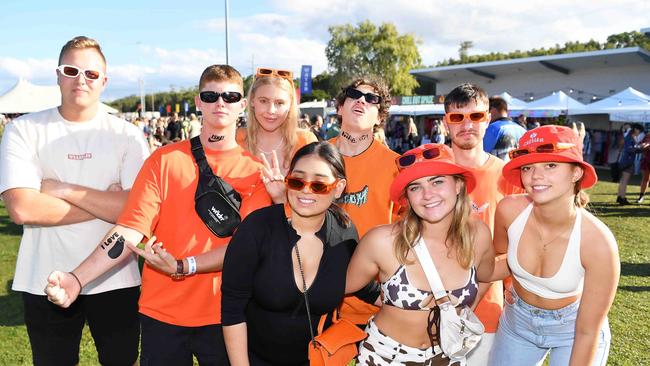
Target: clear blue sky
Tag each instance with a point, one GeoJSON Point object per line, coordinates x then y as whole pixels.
{"type": "Point", "coordinates": [169, 43]}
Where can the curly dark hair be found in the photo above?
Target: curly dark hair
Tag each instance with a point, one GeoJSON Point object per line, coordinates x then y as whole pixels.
{"type": "Point", "coordinates": [380, 88]}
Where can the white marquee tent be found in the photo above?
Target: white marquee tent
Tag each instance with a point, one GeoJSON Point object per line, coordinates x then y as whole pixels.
{"type": "Point", "coordinates": [417, 109]}
{"type": "Point", "coordinates": [26, 97]}
{"type": "Point", "coordinates": [627, 105]}
{"type": "Point", "coordinates": [553, 105]}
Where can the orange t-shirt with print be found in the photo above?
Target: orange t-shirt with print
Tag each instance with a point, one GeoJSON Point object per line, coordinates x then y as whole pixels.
{"type": "Point", "coordinates": [367, 202]}
{"type": "Point", "coordinates": [369, 176]}
{"type": "Point", "coordinates": [491, 187]}
{"type": "Point", "coordinates": [161, 203]}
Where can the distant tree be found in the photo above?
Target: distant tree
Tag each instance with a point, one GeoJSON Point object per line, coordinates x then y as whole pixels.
{"type": "Point", "coordinates": [131, 102]}
{"type": "Point", "coordinates": [325, 82]}
{"type": "Point", "coordinates": [621, 40]}
{"type": "Point", "coordinates": [316, 94]}
{"type": "Point", "coordinates": [463, 48]}
{"type": "Point", "coordinates": [368, 50]}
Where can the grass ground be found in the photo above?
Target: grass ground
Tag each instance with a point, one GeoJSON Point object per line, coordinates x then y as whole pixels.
{"type": "Point", "coordinates": [629, 317]}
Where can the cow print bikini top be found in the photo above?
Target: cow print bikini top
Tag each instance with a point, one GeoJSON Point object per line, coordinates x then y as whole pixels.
{"type": "Point", "coordinates": [399, 292]}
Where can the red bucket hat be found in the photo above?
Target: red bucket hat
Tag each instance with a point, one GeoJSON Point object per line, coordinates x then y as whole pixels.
{"type": "Point", "coordinates": [423, 161]}
{"type": "Point", "coordinates": [548, 143]}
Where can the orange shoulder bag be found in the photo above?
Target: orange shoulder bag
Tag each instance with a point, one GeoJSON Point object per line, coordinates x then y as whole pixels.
{"type": "Point", "coordinates": [336, 345]}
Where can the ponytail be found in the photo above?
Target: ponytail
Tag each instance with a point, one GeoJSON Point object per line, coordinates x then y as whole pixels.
{"type": "Point", "coordinates": [341, 216]}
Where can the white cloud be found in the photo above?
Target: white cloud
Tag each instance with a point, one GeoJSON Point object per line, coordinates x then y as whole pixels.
{"type": "Point", "coordinates": [294, 32]}
{"type": "Point", "coordinates": [37, 70]}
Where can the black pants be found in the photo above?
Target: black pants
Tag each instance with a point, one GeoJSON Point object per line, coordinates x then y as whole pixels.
{"type": "Point", "coordinates": [55, 332]}
{"type": "Point", "coordinates": [173, 345]}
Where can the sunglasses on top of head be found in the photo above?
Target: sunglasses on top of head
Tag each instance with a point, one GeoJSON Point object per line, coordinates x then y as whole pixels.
{"type": "Point", "coordinates": [297, 184]}
{"type": "Point", "coordinates": [474, 117]}
{"type": "Point", "coordinates": [409, 159]}
{"type": "Point", "coordinates": [269, 72]}
{"type": "Point", "coordinates": [213, 97]}
{"type": "Point", "coordinates": [73, 71]}
{"type": "Point", "coordinates": [356, 94]}
{"type": "Point", "coordinates": [549, 148]}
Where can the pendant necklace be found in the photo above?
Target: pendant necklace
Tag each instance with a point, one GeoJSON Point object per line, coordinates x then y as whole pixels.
{"type": "Point", "coordinates": [539, 233]}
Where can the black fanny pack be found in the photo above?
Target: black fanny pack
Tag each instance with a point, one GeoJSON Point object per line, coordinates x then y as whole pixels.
{"type": "Point", "coordinates": [215, 201]}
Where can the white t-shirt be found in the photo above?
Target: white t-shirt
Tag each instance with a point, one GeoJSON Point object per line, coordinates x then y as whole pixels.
{"type": "Point", "coordinates": [94, 154]}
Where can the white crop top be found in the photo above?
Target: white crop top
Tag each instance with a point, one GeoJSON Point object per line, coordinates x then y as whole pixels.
{"type": "Point", "coordinates": [569, 278]}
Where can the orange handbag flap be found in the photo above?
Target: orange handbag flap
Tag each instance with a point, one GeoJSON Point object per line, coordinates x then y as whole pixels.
{"type": "Point", "coordinates": [339, 334]}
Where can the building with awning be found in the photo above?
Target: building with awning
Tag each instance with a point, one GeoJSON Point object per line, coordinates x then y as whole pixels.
{"type": "Point", "coordinates": [584, 76]}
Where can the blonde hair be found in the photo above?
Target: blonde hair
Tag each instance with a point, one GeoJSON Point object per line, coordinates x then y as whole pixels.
{"type": "Point", "coordinates": [581, 198]}
{"type": "Point", "coordinates": [460, 236]}
{"type": "Point", "coordinates": [80, 43]}
{"type": "Point", "coordinates": [289, 127]}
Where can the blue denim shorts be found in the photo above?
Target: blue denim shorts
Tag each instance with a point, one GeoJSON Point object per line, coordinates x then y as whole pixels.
{"type": "Point", "coordinates": [527, 334]}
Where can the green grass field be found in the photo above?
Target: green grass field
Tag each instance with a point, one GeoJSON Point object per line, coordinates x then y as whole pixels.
{"type": "Point", "coordinates": [629, 317]}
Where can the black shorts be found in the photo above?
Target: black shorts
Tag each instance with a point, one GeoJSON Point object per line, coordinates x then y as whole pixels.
{"type": "Point", "coordinates": [167, 344]}
{"type": "Point", "coordinates": [55, 332]}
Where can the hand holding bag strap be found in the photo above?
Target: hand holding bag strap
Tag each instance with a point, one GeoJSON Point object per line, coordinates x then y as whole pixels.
{"type": "Point", "coordinates": [429, 269]}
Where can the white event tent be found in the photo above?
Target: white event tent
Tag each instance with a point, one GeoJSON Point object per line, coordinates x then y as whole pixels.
{"type": "Point", "coordinates": [26, 97]}
{"type": "Point", "coordinates": [514, 104]}
{"type": "Point", "coordinates": [628, 105]}
{"type": "Point", "coordinates": [417, 109]}
{"type": "Point", "coordinates": [553, 105]}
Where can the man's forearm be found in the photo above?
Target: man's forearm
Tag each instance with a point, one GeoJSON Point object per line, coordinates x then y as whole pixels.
{"type": "Point", "coordinates": [105, 205]}
{"type": "Point", "coordinates": [28, 206]}
{"type": "Point", "coordinates": [111, 250]}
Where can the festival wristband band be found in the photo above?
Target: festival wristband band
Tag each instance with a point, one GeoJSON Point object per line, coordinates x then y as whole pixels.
{"type": "Point", "coordinates": [191, 263]}
{"type": "Point", "coordinates": [76, 278]}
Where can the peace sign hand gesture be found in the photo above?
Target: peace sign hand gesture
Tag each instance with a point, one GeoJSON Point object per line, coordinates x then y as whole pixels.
{"type": "Point", "coordinates": [273, 179]}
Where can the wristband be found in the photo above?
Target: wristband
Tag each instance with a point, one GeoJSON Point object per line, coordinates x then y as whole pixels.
{"type": "Point", "coordinates": [76, 278]}
{"type": "Point", "coordinates": [191, 262]}
{"type": "Point", "coordinates": [180, 269]}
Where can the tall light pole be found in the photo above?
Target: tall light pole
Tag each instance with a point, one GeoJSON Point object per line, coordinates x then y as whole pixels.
{"type": "Point", "coordinates": [227, 38]}
{"type": "Point", "coordinates": [143, 107]}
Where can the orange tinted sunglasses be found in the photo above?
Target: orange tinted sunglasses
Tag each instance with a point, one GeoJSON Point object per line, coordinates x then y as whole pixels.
{"type": "Point", "coordinates": [297, 184]}
{"type": "Point", "coordinates": [542, 149]}
{"type": "Point", "coordinates": [269, 72]}
{"type": "Point", "coordinates": [475, 117]}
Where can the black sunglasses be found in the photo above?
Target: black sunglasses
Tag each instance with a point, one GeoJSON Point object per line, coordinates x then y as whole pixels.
{"type": "Point", "coordinates": [212, 97]}
{"type": "Point", "coordinates": [356, 94]}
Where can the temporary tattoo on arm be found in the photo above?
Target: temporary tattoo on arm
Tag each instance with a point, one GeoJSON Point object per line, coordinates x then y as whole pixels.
{"type": "Point", "coordinates": [216, 138]}
{"type": "Point", "coordinates": [353, 140]}
{"type": "Point", "coordinates": [117, 241]}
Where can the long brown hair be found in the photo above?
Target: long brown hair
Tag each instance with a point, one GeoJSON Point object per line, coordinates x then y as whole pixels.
{"type": "Point", "coordinates": [289, 126]}
{"type": "Point", "coordinates": [460, 235]}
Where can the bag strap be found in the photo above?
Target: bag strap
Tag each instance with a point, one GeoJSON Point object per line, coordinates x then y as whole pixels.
{"type": "Point", "coordinates": [429, 269]}
{"type": "Point", "coordinates": [207, 175]}
{"type": "Point", "coordinates": [304, 291]}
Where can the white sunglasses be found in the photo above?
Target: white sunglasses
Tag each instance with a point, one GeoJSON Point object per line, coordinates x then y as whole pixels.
{"type": "Point", "coordinates": [73, 71]}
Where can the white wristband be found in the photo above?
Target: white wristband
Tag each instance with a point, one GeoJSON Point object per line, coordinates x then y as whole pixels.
{"type": "Point", "coordinates": [191, 263]}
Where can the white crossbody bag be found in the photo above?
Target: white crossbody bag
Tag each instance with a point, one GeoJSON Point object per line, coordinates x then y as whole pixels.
{"type": "Point", "coordinates": [456, 334]}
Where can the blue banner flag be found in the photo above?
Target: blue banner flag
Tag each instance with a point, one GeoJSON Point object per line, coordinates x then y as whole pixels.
{"type": "Point", "coordinates": [186, 106]}
{"type": "Point", "coordinates": [305, 80]}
